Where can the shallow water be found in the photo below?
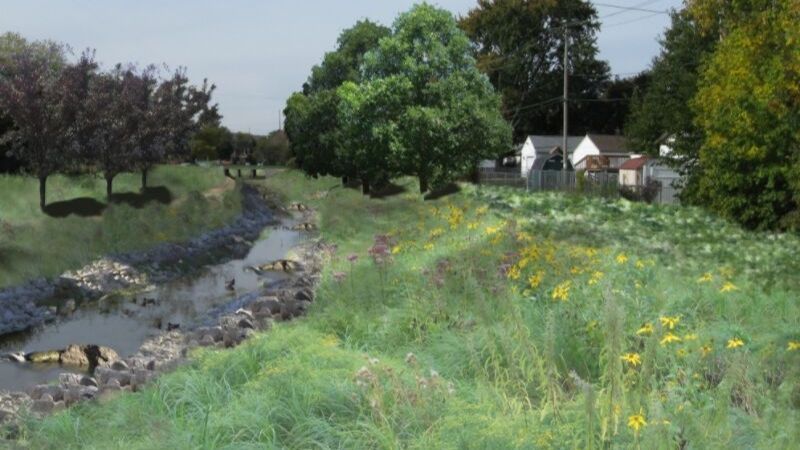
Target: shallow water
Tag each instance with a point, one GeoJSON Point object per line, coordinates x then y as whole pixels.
{"type": "Point", "coordinates": [124, 325]}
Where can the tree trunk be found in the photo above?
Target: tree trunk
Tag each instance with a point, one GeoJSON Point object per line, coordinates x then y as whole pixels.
{"type": "Point", "coordinates": [365, 187]}
{"type": "Point", "coordinates": [423, 184]}
{"type": "Point", "coordinates": [344, 181]}
{"type": "Point", "coordinates": [144, 179]}
{"type": "Point", "coordinates": [109, 187]}
{"type": "Point", "coordinates": [42, 192]}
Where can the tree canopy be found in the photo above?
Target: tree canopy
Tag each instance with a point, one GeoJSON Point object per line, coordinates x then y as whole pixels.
{"type": "Point", "coordinates": [519, 45]}
{"type": "Point", "coordinates": [747, 110]}
{"type": "Point", "coordinates": [423, 109]}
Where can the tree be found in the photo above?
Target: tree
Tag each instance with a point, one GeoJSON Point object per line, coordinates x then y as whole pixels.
{"type": "Point", "coordinates": [312, 124]}
{"type": "Point", "coordinates": [44, 98]}
{"type": "Point", "coordinates": [273, 149]}
{"type": "Point", "coordinates": [423, 108]}
{"type": "Point", "coordinates": [10, 44]}
{"type": "Point", "coordinates": [663, 109]}
{"type": "Point", "coordinates": [114, 120]}
{"type": "Point", "coordinates": [519, 45]}
{"type": "Point", "coordinates": [748, 112]}
{"type": "Point", "coordinates": [212, 142]}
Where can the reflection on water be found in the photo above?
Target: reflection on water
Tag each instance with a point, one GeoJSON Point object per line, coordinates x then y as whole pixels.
{"type": "Point", "coordinates": [124, 325]}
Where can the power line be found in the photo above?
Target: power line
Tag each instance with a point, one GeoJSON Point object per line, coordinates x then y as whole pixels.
{"type": "Point", "coordinates": [631, 8]}
{"type": "Point", "coordinates": [625, 10]}
{"type": "Point", "coordinates": [632, 21]}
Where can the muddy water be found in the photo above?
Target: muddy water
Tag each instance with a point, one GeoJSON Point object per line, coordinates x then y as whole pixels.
{"type": "Point", "coordinates": [125, 323]}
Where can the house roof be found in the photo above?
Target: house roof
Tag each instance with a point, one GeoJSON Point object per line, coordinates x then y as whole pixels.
{"type": "Point", "coordinates": [545, 144]}
{"type": "Point", "coordinates": [609, 143]}
{"type": "Point", "coordinates": [633, 164]}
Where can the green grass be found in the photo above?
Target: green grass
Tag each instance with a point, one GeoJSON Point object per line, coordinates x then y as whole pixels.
{"type": "Point", "coordinates": [34, 244]}
{"type": "Point", "coordinates": [499, 327]}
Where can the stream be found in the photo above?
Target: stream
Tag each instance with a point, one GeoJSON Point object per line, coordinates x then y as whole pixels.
{"type": "Point", "coordinates": [125, 323]}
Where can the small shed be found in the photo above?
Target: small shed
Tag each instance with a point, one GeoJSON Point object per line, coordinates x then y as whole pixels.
{"type": "Point", "coordinates": [632, 172]}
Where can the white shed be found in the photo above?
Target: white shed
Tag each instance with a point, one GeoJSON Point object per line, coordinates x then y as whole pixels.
{"type": "Point", "coordinates": [544, 152]}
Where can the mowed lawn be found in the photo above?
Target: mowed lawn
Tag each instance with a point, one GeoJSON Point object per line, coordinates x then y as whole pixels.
{"type": "Point", "coordinates": [79, 224]}
{"type": "Point", "coordinates": [500, 320]}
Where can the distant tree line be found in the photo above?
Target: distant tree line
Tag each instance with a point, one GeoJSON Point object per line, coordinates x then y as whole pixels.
{"type": "Point", "coordinates": [408, 100]}
{"type": "Point", "coordinates": [70, 117]}
{"type": "Point", "coordinates": [216, 142]}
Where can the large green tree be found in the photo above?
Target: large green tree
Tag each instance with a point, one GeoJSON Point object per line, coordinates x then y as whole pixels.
{"type": "Point", "coordinates": [662, 113]}
{"type": "Point", "coordinates": [312, 124]}
{"type": "Point", "coordinates": [424, 108]}
{"type": "Point", "coordinates": [748, 112]}
{"type": "Point", "coordinates": [519, 45]}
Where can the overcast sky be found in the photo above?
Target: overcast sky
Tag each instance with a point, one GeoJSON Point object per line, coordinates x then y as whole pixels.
{"type": "Point", "coordinates": [259, 52]}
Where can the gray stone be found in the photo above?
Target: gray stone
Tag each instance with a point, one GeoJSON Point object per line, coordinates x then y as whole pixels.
{"type": "Point", "coordinates": [69, 379]}
{"type": "Point", "coordinates": [151, 365]}
{"type": "Point", "coordinates": [246, 323]}
{"type": "Point", "coordinates": [44, 404]}
{"type": "Point", "coordinates": [207, 341]}
{"type": "Point", "coordinates": [88, 381]}
{"type": "Point", "coordinates": [7, 415]}
{"type": "Point", "coordinates": [89, 392]}
{"type": "Point", "coordinates": [112, 385]}
{"type": "Point", "coordinates": [119, 365]}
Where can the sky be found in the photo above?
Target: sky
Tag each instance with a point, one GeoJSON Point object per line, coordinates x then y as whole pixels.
{"type": "Point", "coordinates": [259, 52]}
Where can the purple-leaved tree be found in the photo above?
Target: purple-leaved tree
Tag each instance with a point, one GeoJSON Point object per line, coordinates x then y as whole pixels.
{"type": "Point", "coordinates": [44, 98]}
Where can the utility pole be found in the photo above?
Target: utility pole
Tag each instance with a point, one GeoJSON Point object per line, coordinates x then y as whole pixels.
{"type": "Point", "coordinates": [564, 152]}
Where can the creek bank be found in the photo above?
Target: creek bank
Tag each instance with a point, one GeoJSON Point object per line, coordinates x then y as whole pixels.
{"type": "Point", "coordinates": [222, 327]}
{"type": "Point", "coordinates": [281, 300]}
{"type": "Point", "coordinates": [25, 306]}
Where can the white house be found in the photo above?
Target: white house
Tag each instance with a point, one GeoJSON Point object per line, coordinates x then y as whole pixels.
{"type": "Point", "coordinates": [601, 153]}
{"type": "Point", "coordinates": [544, 152]}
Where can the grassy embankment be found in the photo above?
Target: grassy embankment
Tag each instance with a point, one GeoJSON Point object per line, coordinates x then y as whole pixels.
{"type": "Point", "coordinates": [79, 226]}
{"type": "Point", "coordinates": [503, 321]}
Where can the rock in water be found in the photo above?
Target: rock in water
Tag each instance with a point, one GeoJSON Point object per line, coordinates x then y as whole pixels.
{"type": "Point", "coordinates": [74, 355]}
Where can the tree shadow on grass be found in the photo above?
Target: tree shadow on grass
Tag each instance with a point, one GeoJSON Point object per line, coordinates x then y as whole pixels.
{"type": "Point", "coordinates": [82, 207]}
{"type": "Point", "coordinates": [138, 200]}
{"type": "Point", "coordinates": [389, 190]}
{"type": "Point", "coordinates": [443, 191]}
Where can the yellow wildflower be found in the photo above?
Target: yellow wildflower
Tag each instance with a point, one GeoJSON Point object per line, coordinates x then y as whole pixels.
{"type": "Point", "coordinates": [793, 345]}
{"type": "Point", "coordinates": [536, 279]}
{"type": "Point", "coordinates": [490, 231]}
{"type": "Point", "coordinates": [472, 226]}
{"type": "Point", "coordinates": [596, 277]}
{"type": "Point", "coordinates": [428, 246]}
{"type": "Point", "coordinates": [706, 349]}
{"type": "Point", "coordinates": [637, 421]}
{"type": "Point", "coordinates": [706, 278]}
{"type": "Point", "coordinates": [669, 322]}
{"type": "Point", "coordinates": [622, 258]}
{"type": "Point", "coordinates": [681, 352]}
{"type": "Point", "coordinates": [669, 338]}
{"type": "Point", "coordinates": [690, 337]}
{"type": "Point", "coordinates": [561, 292]}
{"type": "Point", "coordinates": [632, 358]}
{"type": "Point", "coordinates": [396, 249]}
{"type": "Point", "coordinates": [436, 232]}
{"type": "Point", "coordinates": [645, 330]}
{"type": "Point", "coordinates": [575, 270]}
{"type": "Point", "coordinates": [734, 343]}
{"type": "Point", "coordinates": [728, 287]}
{"type": "Point", "coordinates": [523, 236]}
{"type": "Point", "coordinates": [639, 264]}
{"type": "Point", "coordinates": [482, 210]}
{"type": "Point", "coordinates": [523, 263]}
{"type": "Point", "coordinates": [513, 273]}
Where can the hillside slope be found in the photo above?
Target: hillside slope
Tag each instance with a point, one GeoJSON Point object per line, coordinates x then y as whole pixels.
{"type": "Point", "coordinates": [495, 319]}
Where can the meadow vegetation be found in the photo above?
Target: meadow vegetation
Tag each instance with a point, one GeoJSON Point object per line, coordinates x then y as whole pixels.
{"type": "Point", "coordinates": [495, 319]}
{"type": "Point", "coordinates": [79, 225]}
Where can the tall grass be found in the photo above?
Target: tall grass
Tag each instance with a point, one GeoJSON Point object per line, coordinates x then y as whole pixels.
{"type": "Point", "coordinates": [34, 244]}
{"type": "Point", "coordinates": [492, 328]}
